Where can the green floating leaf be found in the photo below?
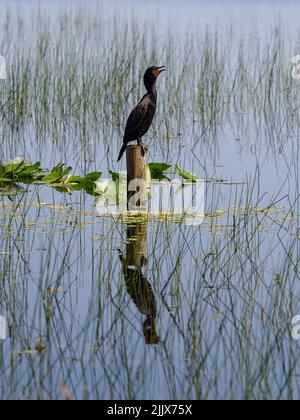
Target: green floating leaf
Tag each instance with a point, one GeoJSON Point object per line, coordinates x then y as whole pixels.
{"type": "Point", "coordinates": [19, 170]}
{"type": "Point", "coordinates": [115, 176]}
{"type": "Point", "coordinates": [92, 177]}
{"type": "Point", "coordinates": [88, 182]}
{"type": "Point", "coordinates": [161, 170]}
{"type": "Point", "coordinates": [58, 175]}
{"type": "Point", "coordinates": [157, 170]}
{"type": "Point", "coordinates": [87, 179]}
{"type": "Point", "coordinates": [185, 175]}
{"type": "Point", "coordinates": [61, 179]}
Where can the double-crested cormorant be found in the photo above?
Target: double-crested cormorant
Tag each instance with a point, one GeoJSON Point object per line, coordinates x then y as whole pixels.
{"type": "Point", "coordinates": [141, 117]}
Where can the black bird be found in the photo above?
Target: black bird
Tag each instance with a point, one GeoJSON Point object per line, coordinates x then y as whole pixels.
{"type": "Point", "coordinates": [141, 117]}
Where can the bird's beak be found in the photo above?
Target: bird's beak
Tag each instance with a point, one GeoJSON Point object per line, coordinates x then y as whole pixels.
{"type": "Point", "coordinates": [159, 71]}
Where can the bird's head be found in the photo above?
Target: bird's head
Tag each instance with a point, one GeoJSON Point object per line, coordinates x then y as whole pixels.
{"type": "Point", "coordinates": [151, 75]}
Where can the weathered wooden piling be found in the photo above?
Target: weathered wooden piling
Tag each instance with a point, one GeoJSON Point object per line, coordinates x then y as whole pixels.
{"type": "Point", "coordinates": [137, 179]}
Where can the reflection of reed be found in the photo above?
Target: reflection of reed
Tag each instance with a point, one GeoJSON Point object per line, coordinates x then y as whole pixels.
{"type": "Point", "coordinates": [138, 287]}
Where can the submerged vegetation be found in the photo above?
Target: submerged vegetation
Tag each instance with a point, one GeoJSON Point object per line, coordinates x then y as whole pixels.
{"type": "Point", "coordinates": [136, 307]}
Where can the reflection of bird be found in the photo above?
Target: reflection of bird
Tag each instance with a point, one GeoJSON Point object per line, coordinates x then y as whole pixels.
{"type": "Point", "coordinates": [141, 117]}
{"type": "Point", "coordinates": [140, 290]}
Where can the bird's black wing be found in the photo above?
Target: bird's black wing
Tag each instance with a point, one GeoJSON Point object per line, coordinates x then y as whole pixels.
{"type": "Point", "coordinates": [135, 120]}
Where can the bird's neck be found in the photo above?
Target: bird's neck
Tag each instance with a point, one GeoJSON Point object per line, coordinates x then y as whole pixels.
{"type": "Point", "coordinates": [151, 89]}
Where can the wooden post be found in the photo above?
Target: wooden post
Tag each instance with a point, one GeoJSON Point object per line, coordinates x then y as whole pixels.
{"type": "Point", "coordinates": [137, 174]}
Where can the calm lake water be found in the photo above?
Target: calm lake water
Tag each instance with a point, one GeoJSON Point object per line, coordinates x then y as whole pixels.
{"type": "Point", "coordinates": [156, 309]}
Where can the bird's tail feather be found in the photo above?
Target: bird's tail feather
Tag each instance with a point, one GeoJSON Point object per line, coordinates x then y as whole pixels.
{"type": "Point", "coordinates": [121, 152]}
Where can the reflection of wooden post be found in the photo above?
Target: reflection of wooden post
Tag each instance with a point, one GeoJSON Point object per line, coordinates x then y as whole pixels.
{"type": "Point", "coordinates": [136, 246]}
{"type": "Point", "coordinates": [138, 287]}
{"type": "Point", "coordinates": [136, 179]}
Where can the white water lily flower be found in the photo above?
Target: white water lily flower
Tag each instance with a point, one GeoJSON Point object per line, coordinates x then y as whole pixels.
{"type": "Point", "coordinates": [102, 186]}
{"type": "Point", "coordinates": [16, 161]}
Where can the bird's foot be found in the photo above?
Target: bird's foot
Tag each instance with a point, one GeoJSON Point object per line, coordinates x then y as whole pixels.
{"type": "Point", "coordinates": [143, 146]}
{"type": "Point", "coordinates": [144, 149]}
